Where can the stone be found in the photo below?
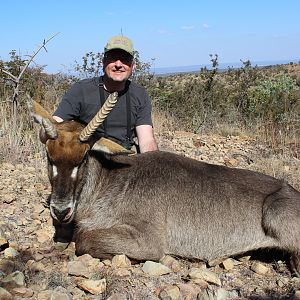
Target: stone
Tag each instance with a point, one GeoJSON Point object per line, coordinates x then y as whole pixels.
{"type": "Point", "coordinates": [60, 246]}
{"type": "Point", "coordinates": [189, 291]}
{"type": "Point", "coordinates": [228, 264]}
{"type": "Point", "coordinates": [23, 292]}
{"type": "Point", "coordinates": [170, 292]}
{"type": "Point", "coordinates": [107, 262]}
{"type": "Point", "coordinates": [8, 198]}
{"type": "Point", "coordinates": [120, 261]}
{"type": "Point", "coordinates": [259, 268]}
{"type": "Point", "coordinates": [95, 287]}
{"type": "Point", "coordinates": [206, 275]}
{"type": "Point", "coordinates": [296, 296]}
{"type": "Point", "coordinates": [171, 263]}
{"type": "Point", "coordinates": [215, 262]}
{"type": "Point", "coordinates": [15, 279]}
{"type": "Point", "coordinates": [244, 258]}
{"type": "Point", "coordinates": [11, 253]}
{"type": "Point", "coordinates": [207, 294]}
{"type": "Point", "coordinates": [44, 295]}
{"type": "Point", "coordinates": [78, 268]}
{"type": "Point", "coordinates": [122, 272]}
{"type": "Point", "coordinates": [155, 269]}
{"type": "Point", "coordinates": [5, 295]}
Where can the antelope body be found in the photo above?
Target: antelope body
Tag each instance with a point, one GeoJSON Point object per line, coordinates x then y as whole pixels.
{"type": "Point", "coordinates": [158, 203]}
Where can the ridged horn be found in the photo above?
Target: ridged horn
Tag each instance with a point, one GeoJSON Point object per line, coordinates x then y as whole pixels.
{"type": "Point", "coordinates": [99, 117]}
{"type": "Point", "coordinates": [49, 128]}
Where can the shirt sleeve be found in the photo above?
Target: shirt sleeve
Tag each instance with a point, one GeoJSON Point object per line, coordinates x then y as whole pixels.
{"type": "Point", "coordinates": [69, 107]}
{"type": "Point", "coordinates": [144, 111]}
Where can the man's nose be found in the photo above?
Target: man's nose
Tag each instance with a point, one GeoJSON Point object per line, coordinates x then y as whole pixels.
{"type": "Point", "coordinates": [118, 63]}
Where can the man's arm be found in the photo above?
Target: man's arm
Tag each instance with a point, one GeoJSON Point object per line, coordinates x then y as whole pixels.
{"type": "Point", "coordinates": [146, 138]}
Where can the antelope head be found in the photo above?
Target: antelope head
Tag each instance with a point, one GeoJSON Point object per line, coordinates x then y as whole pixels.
{"type": "Point", "coordinates": [67, 145]}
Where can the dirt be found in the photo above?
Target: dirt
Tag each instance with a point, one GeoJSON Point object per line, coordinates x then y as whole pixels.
{"type": "Point", "coordinates": [26, 225]}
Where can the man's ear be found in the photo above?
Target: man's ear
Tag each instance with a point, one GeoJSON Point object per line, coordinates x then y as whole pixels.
{"type": "Point", "coordinates": [133, 66]}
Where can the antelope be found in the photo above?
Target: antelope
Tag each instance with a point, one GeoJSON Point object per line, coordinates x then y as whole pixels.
{"type": "Point", "coordinates": [158, 203]}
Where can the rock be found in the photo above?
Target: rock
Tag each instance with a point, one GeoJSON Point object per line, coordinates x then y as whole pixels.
{"type": "Point", "coordinates": [155, 269]}
{"type": "Point", "coordinates": [215, 262]}
{"type": "Point", "coordinates": [221, 294]}
{"type": "Point", "coordinates": [296, 296]}
{"type": "Point", "coordinates": [107, 262]}
{"type": "Point", "coordinates": [207, 294]}
{"type": "Point", "coordinates": [92, 264]}
{"type": "Point", "coordinates": [120, 261]}
{"type": "Point", "coordinates": [189, 291]}
{"type": "Point", "coordinates": [23, 292]}
{"type": "Point", "coordinates": [78, 268]}
{"type": "Point", "coordinates": [281, 282]}
{"type": "Point", "coordinates": [244, 258]}
{"type": "Point", "coordinates": [231, 162]}
{"type": "Point", "coordinates": [60, 293]}
{"type": "Point", "coordinates": [259, 268]}
{"type": "Point", "coordinates": [44, 295]}
{"type": "Point", "coordinates": [8, 198]}
{"type": "Point", "coordinates": [36, 266]}
{"type": "Point", "coordinates": [95, 287]}
{"type": "Point", "coordinates": [5, 295]}
{"type": "Point", "coordinates": [206, 275]}
{"type": "Point", "coordinates": [171, 263]}
{"type": "Point", "coordinates": [228, 264]}
{"type": "Point", "coordinates": [170, 292]}
{"type": "Point", "coordinates": [11, 253]}
{"type": "Point", "coordinates": [7, 266]}
{"type": "Point", "coordinates": [15, 279]}
{"type": "Point", "coordinates": [43, 236]}
{"type": "Point", "coordinates": [60, 246]}
{"type": "Point", "coordinates": [122, 272]}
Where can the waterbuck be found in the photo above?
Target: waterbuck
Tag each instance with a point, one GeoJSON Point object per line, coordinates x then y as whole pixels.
{"type": "Point", "coordinates": [157, 203]}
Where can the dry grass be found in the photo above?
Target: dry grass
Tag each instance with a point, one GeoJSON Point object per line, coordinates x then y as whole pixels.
{"type": "Point", "coordinates": [18, 143]}
{"type": "Point", "coordinates": [281, 167]}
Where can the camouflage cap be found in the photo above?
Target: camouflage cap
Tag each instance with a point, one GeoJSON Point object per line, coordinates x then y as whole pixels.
{"type": "Point", "coordinates": [119, 42]}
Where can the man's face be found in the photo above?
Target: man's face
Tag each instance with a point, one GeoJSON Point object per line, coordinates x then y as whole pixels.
{"type": "Point", "coordinates": [118, 65]}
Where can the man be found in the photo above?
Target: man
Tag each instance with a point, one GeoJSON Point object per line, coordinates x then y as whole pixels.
{"type": "Point", "coordinates": [130, 117]}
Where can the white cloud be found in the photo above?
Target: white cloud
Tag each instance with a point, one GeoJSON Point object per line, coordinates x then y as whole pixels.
{"type": "Point", "coordinates": [205, 25]}
{"type": "Point", "coordinates": [188, 27]}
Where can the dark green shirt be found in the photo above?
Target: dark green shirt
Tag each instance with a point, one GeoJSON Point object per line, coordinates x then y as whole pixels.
{"type": "Point", "coordinates": [82, 101]}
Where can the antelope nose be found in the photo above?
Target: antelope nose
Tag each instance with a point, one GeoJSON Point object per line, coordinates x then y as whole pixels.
{"type": "Point", "coordinates": [61, 214]}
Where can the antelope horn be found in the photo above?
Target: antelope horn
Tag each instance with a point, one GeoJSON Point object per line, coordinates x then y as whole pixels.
{"type": "Point", "coordinates": [49, 128]}
{"type": "Point", "coordinates": [99, 117]}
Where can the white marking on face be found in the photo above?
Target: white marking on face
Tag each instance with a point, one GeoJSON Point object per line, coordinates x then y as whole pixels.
{"type": "Point", "coordinates": [54, 170]}
{"type": "Point", "coordinates": [74, 173]}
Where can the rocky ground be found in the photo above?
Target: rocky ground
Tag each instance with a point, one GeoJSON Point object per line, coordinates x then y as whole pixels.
{"type": "Point", "coordinates": [32, 268]}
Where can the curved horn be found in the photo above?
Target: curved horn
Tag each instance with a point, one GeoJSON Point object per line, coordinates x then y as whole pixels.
{"type": "Point", "coordinates": [99, 117]}
{"type": "Point", "coordinates": [49, 128]}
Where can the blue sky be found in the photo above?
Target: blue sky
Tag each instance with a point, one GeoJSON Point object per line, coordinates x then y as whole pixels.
{"type": "Point", "coordinates": [174, 33]}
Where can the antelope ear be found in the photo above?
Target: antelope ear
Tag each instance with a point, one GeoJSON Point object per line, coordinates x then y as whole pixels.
{"type": "Point", "coordinates": [109, 147]}
{"type": "Point", "coordinates": [38, 112]}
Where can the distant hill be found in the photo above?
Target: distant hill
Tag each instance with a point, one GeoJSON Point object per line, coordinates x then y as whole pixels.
{"type": "Point", "coordinates": [164, 71]}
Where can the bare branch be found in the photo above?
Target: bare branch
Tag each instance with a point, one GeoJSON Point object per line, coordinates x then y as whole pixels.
{"type": "Point", "coordinates": [13, 77]}
{"type": "Point", "coordinates": [35, 53]}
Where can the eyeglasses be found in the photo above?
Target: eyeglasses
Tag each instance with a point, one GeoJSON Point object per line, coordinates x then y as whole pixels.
{"type": "Point", "coordinates": [113, 56]}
